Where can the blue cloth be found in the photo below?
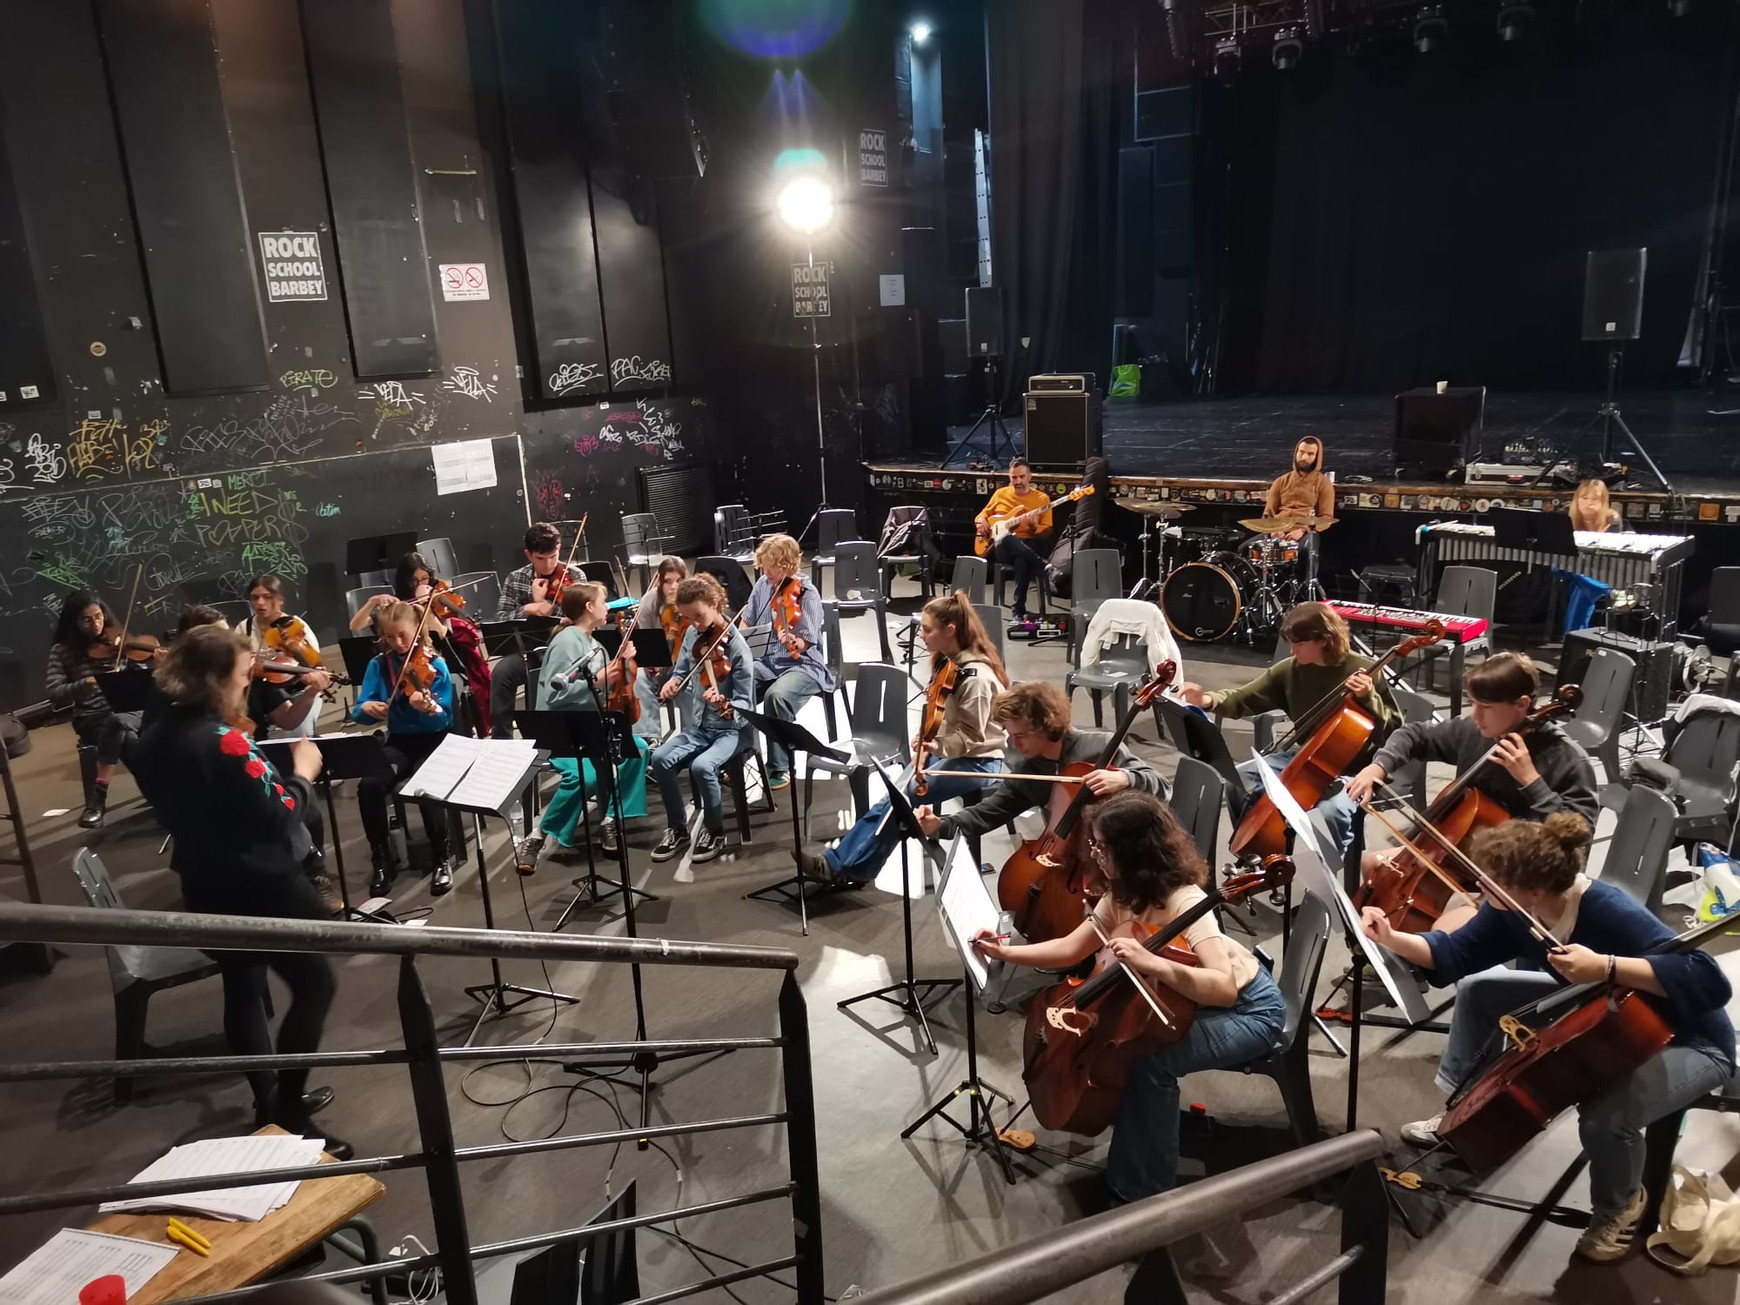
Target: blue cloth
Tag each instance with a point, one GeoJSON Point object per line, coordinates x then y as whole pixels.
{"type": "Point", "coordinates": [704, 755]}
{"type": "Point", "coordinates": [861, 853]}
{"type": "Point", "coordinates": [1582, 593]}
{"type": "Point", "coordinates": [1610, 922]}
{"type": "Point", "coordinates": [1143, 1160]}
{"type": "Point", "coordinates": [402, 717]}
{"type": "Point", "coordinates": [776, 661]}
{"type": "Point", "coordinates": [782, 697]}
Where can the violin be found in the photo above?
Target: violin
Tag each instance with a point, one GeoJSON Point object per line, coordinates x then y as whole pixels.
{"type": "Point", "coordinates": [1326, 756]}
{"type": "Point", "coordinates": [619, 694]}
{"type": "Point", "coordinates": [289, 635]}
{"type": "Point", "coordinates": [446, 599]}
{"type": "Point", "coordinates": [1413, 888]}
{"type": "Point", "coordinates": [1083, 1036]}
{"type": "Point", "coordinates": [787, 606]}
{"type": "Point", "coordinates": [111, 646]}
{"type": "Point", "coordinates": [673, 624]}
{"type": "Point", "coordinates": [712, 663]}
{"type": "Point", "coordinates": [557, 582]}
{"type": "Point", "coordinates": [1044, 883]}
{"type": "Point", "coordinates": [942, 684]}
{"type": "Point", "coordinates": [276, 668]}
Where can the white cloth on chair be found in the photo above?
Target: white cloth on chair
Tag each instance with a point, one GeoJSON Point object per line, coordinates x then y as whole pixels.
{"type": "Point", "coordinates": [1128, 616]}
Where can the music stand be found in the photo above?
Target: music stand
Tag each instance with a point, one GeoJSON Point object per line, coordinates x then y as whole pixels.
{"type": "Point", "coordinates": [346, 756]}
{"type": "Point", "coordinates": [794, 738]}
{"type": "Point", "coordinates": [125, 690]}
{"type": "Point", "coordinates": [965, 905]}
{"type": "Point", "coordinates": [378, 552]}
{"type": "Point", "coordinates": [910, 1001]}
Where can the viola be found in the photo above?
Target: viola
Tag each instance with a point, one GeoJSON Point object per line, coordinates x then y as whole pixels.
{"type": "Point", "coordinates": [1044, 883]}
{"type": "Point", "coordinates": [289, 635]}
{"type": "Point", "coordinates": [942, 684]}
{"type": "Point", "coordinates": [619, 694]}
{"type": "Point", "coordinates": [111, 647]}
{"type": "Point", "coordinates": [1326, 756]}
{"type": "Point", "coordinates": [1413, 888]}
{"type": "Point", "coordinates": [1084, 1035]}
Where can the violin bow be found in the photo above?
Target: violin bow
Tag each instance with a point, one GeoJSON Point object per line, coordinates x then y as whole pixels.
{"type": "Point", "coordinates": [713, 647]}
{"type": "Point", "coordinates": [127, 621]}
{"type": "Point", "coordinates": [1147, 993]}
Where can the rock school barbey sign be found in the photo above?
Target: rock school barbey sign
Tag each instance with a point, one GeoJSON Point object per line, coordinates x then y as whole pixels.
{"type": "Point", "coordinates": [293, 266]}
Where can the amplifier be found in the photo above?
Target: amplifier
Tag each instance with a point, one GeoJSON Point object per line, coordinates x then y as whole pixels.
{"type": "Point", "coordinates": [1655, 665]}
{"type": "Point", "coordinates": [1062, 427]}
{"type": "Point", "coordinates": [1061, 383]}
{"type": "Point", "coordinates": [1438, 431]}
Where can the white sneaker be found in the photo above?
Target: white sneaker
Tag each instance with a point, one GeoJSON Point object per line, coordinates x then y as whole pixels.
{"type": "Point", "coordinates": [1609, 1239]}
{"type": "Point", "coordinates": [1423, 1132]}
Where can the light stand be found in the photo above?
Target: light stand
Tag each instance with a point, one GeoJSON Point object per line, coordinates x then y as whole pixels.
{"type": "Point", "coordinates": [992, 414]}
{"type": "Point", "coordinates": [1611, 416]}
{"type": "Point", "coordinates": [816, 362]}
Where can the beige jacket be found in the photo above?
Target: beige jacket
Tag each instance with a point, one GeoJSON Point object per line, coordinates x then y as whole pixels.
{"type": "Point", "coordinates": [967, 729]}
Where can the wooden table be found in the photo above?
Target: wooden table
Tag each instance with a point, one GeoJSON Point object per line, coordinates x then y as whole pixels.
{"type": "Point", "coordinates": [242, 1253]}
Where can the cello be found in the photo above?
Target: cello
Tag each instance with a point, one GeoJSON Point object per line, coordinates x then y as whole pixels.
{"type": "Point", "coordinates": [1084, 1035]}
{"type": "Point", "coordinates": [1414, 888]}
{"type": "Point", "coordinates": [1335, 742]}
{"type": "Point", "coordinates": [1043, 884]}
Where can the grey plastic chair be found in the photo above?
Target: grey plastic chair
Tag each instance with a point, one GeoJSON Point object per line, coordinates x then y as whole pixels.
{"type": "Point", "coordinates": [858, 586]}
{"type": "Point", "coordinates": [835, 658]}
{"type": "Point", "coordinates": [1606, 691]}
{"type": "Point", "coordinates": [970, 573]}
{"type": "Point", "coordinates": [482, 593]}
{"type": "Point", "coordinates": [833, 525]}
{"type": "Point", "coordinates": [135, 973]}
{"type": "Point", "coordinates": [1411, 778]}
{"type": "Point", "coordinates": [1198, 794]}
{"type": "Point", "coordinates": [879, 731]}
{"type": "Point", "coordinates": [1120, 668]}
{"type": "Point", "coordinates": [643, 544]}
{"type": "Point", "coordinates": [992, 619]}
{"type": "Point", "coordinates": [1723, 625]}
{"type": "Point", "coordinates": [1098, 574]}
{"type": "Point", "coordinates": [439, 554]}
{"type": "Point", "coordinates": [1288, 1059]}
{"type": "Point", "coordinates": [892, 562]}
{"type": "Point", "coordinates": [1462, 591]}
{"type": "Point", "coordinates": [1704, 749]}
{"type": "Point", "coordinates": [731, 532]}
{"type": "Point", "coordinates": [1637, 854]}
{"type": "Point", "coordinates": [728, 571]}
{"type": "Point", "coordinates": [1195, 736]}
{"type": "Point", "coordinates": [370, 578]}
{"type": "Point", "coordinates": [354, 599]}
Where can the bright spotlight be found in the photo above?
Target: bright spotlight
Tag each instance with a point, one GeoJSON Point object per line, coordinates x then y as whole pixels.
{"type": "Point", "coordinates": [806, 204]}
{"type": "Point", "coordinates": [920, 33]}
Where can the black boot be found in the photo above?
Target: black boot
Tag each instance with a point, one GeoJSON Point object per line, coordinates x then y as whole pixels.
{"type": "Point", "coordinates": [94, 806]}
{"type": "Point", "coordinates": [381, 876]}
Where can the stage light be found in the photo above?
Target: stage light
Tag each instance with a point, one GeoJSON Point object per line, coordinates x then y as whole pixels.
{"type": "Point", "coordinates": [1430, 29]}
{"type": "Point", "coordinates": [775, 29]}
{"type": "Point", "coordinates": [1288, 49]}
{"type": "Point", "coordinates": [1514, 21]}
{"type": "Point", "coordinates": [1226, 58]}
{"type": "Point", "coordinates": [920, 32]}
{"type": "Point", "coordinates": [806, 204]}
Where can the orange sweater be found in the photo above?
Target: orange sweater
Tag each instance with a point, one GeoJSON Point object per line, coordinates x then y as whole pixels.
{"type": "Point", "coordinates": [1007, 503]}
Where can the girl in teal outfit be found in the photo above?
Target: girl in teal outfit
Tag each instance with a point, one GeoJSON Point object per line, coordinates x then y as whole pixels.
{"type": "Point", "coordinates": [576, 658]}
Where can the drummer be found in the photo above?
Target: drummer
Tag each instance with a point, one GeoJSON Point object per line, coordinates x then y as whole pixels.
{"type": "Point", "coordinates": [1304, 492]}
{"type": "Point", "coordinates": [1306, 685]}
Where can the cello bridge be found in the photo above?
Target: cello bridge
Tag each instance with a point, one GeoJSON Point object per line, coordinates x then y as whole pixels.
{"type": "Point", "coordinates": [1516, 1032]}
{"type": "Point", "coordinates": [1047, 860]}
{"type": "Point", "coordinates": [1065, 1019]}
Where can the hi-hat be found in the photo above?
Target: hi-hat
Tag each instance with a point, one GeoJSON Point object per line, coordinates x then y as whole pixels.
{"type": "Point", "coordinates": [1151, 508]}
{"type": "Point", "coordinates": [1281, 525]}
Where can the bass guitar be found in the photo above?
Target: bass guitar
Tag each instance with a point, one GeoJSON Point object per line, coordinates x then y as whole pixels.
{"type": "Point", "coordinates": [997, 529]}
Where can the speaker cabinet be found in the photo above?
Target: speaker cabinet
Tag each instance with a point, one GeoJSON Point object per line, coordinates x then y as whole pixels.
{"type": "Point", "coordinates": [1062, 428]}
{"type": "Point", "coordinates": [1613, 294]}
{"type": "Point", "coordinates": [1437, 433]}
{"type": "Point", "coordinates": [1655, 664]}
{"type": "Point", "coordinates": [647, 89]}
{"type": "Point", "coordinates": [985, 321]}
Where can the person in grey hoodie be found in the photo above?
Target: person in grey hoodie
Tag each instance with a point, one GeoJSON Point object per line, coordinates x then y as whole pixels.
{"type": "Point", "coordinates": [968, 739]}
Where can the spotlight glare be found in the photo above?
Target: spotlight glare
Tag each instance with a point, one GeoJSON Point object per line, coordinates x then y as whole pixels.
{"type": "Point", "coordinates": [806, 204]}
{"type": "Point", "coordinates": [920, 33]}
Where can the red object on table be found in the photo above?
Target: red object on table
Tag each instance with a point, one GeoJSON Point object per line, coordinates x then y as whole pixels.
{"type": "Point", "coordinates": [110, 1289]}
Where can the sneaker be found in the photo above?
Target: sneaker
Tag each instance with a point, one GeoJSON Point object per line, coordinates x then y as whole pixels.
{"type": "Point", "coordinates": [93, 816]}
{"type": "Point", "coordinates": [709, 845]}
{"type": "Point", "coordinates": [813, 865]}
{"type": "Point", "coordinates": [778, 779]}
{"type": "Point", "coordinates": [1422, 1132]}
{"type": "Point", "coordinates": [672, 844]}
{"type": "Point", "coordinates": [526, 853]}
{"type": "Point", "coordinates": [1609, 1239]}
{"type": "Point", "coordinates": [608, 843]}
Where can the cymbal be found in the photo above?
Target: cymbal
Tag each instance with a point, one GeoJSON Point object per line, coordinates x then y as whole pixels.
{"type": "Point", "coordinates": [1281, 525]}
{"type": "Point", "coordinates": [1150, 508]}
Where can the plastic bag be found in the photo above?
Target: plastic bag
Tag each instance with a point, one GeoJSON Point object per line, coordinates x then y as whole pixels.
{"type": "Point", "coordinates": [1700, 1224]}
{"type": "Point", "coordinates": [1126, 381]}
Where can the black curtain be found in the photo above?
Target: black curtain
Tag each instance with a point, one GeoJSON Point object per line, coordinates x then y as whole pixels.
{"type": "Point", "coordinates": [1379, 223]}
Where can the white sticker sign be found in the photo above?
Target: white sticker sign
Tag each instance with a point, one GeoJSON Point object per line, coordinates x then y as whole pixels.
{"type": "Point", "coordinates": [295, 271]}
{"type": "Point", "coordinates": [872, 157]}
{"type": "Point", "coordinates": [463, 281]}
{"type": "Point", "coordinates": [809, 289]}
{"type": "Point", "coordinates": [893, 289]}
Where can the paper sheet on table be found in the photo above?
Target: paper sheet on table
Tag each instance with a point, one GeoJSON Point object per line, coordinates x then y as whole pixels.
{"type": "Point", "coordinates": [225, 1155]}
{"type": "Point", "coordinates": [443, 769]}
{"type": "Point", "coordinates": [53, 1273]}
{"type": "Point", "coordinates": [1314, 870]}
{"type": "Point", "coordinates": [966, 907]}
{"type": "Point", "coordinates": [462, 465]}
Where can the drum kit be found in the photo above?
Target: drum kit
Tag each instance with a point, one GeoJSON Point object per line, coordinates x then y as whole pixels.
{"type": "Point", "coordinates": [1222, 582]}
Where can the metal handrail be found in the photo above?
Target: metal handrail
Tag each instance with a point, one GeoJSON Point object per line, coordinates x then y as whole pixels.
{"type": "Point", "coordinates": [424, 1059]}
{"type": "Point", "coordinates": [1054, 1261]}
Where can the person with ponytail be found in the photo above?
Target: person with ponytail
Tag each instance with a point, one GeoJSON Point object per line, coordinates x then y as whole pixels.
{"type": "Point", "coordinates": [1606, 935]}
{"type": "Point", "coordinates": [969, 739]}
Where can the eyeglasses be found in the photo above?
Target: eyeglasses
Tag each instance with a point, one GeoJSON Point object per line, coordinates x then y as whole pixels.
{"type": "Point", "coordinates": [1095, 847]}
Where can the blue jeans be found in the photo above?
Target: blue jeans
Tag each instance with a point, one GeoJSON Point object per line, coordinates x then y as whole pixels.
{"type": "Point", "coordinates": [651, 724]}
{"type": "Point", "coordinates": [704, 756]}
{"type": "Point", "coordinates": [1144, 1154]}
{"type": "Point", "coordinates": [862, 851]}
{"type": "Point", "coordinates": [579, 781]}
{"type": "Point", "coordinates": [1338, 812]}
{"type": "Point", "coordinates": [1611, 1125]}
{"type": "Point", "coordinates": [782, 697]}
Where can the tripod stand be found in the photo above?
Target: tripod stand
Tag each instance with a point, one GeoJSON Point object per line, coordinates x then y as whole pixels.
{"type": "Point", "coordinates": [1610, 416]}
{"type": "Point", "coordinates": [1002, 445]}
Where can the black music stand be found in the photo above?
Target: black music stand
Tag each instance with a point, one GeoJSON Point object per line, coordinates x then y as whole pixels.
{"type": "Point", "coordinates": [913, 992]}
{"type": "Point", "coordinates": [346, 756]}
{"type": "Point", "coordinates": [497, 997]}
{"type": "Point", "coordinates": [794, 738]}
{"type": "Point", "coordinates": [981, 1130]}
{"type": "Point", "coordinates": [125, 690]}
{"type": "Point", "coordinates": [378, 552]}
{"type": "Point", "coordinates": [598, 738]}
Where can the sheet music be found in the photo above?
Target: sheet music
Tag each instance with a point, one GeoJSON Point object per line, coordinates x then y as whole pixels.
{"type": "Point", "coordinates": [1314, 870]}
{"type": "Point", "coordinates": [225, 1155]}
{"type": "Point", "coordinates": [53, 1273]}
{"type": "Point", "coordinates": [443, 769]}
{"type": "Point", "coordinates": [496, 769]}
{"type": "Point", "coordinates": [966, 907]}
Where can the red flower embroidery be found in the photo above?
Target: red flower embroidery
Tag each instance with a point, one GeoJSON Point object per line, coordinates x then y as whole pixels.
{"type": "Point", "coordinates": [278, 789]}
{"type": "Point", "coordinates": [289, 802]}
{"type": "Point", "coordinates": [255, 768]}
{"type": "Point", "coordinates": [233, 743]}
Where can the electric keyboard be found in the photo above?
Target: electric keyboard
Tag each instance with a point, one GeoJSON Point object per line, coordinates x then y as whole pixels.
{"type": "Point", "coordinates": [1457, 629]}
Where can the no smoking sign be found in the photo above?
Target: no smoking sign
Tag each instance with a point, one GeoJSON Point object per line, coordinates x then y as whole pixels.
{"type": "Point", "coordinates": [461, 281]}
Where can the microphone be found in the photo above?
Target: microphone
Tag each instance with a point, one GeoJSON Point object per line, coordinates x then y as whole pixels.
{"type": "Point", "coordinates": [563, 679]}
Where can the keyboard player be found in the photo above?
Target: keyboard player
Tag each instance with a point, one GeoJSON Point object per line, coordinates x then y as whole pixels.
{"type": "Point", "coordinates": [1592, 510]}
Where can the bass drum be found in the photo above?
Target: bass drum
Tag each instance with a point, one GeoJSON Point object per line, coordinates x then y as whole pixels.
{"type": "Point", "coordinates": [1202, 600]}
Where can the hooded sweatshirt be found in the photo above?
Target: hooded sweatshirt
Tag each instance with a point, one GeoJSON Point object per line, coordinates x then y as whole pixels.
{"type": "Point", "coordinates": [1296, 495]}
{"type": "Point", "coordinates": [967, 729]}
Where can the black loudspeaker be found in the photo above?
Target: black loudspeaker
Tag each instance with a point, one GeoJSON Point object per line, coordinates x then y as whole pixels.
{"type": "Point", "coordinates": [1437, 433]}
{"type": "Point", "coordinates": [952, 335]}
{"type": "Point", "coordinates": [900, 345]}
{"type": "Point", "coordinates": [1063, 428]}
{"type": "Point", "coordinates": [985, 321]}
{"type": "Point", "coordinates": [924, 259]}
{"type": "Point", "coordinates": [647, 89]}
{"type": "Point", "coordinates": [1613, 294]}
{"type": "Point", "coordinates": [1655, 665]}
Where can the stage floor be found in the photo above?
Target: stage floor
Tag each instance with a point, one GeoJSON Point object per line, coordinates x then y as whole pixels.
{"type": "Point", "coordinates": [1693, 435]}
